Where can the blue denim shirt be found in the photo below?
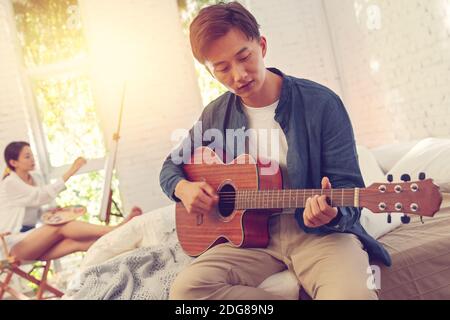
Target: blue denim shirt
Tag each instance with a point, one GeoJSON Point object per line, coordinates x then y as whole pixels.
{"type": "Point", "coordinates": [320, 144]}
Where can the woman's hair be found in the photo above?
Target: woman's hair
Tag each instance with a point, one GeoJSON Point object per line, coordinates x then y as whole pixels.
{"type": "Point", "coordinates": [12, 152]}
{"type": "Point", "coordinates": [215, 21]}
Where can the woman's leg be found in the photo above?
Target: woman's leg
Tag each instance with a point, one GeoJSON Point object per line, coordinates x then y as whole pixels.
{"type": "Point", "coordinates": [81, 231]}
{"type": "Point", "coordinates": [42, 239]}
{"type": "Point", "coordinates": [37, 243]}
{"type": "Point", "coordinates": [65, 247]}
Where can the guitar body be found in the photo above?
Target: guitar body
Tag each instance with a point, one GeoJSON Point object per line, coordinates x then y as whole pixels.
{"type": "Point", "coordinates": [242, 228]}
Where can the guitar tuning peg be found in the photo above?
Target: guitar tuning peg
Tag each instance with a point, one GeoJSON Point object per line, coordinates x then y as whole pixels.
{"type": "Point", "coordinates": [406, 178]}
{"type": "Point", "coordinates": [389, 218]}
{"type": "Point", "coordinates": [405, 219]}
{"type": "Point", "coordinates": [390, 178]}
{"type": "Point", "coordinates": [422, 176]}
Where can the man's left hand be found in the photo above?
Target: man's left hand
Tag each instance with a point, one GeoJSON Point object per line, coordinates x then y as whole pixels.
{"type": "Point", "coordinates": [317, 211]}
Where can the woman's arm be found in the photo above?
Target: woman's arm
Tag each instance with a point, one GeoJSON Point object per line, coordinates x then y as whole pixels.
{"type": "Point", "coordinates": [22, 194]}
{"type": "Point", "coordinates": [77, 164]}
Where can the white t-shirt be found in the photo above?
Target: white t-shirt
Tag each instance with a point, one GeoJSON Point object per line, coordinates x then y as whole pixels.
{"type": "Point", "coordinates": [267, 139]}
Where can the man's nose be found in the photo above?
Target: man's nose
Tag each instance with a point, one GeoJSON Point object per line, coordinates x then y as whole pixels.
{"type": "Point", "coordinates": [239, 73]}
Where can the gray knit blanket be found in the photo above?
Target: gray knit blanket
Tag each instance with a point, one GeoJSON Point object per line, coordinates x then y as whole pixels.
{"type": "Point", "coordinates": [143, 274]}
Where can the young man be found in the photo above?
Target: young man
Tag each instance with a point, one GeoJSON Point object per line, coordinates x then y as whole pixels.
{"type": "Point", "coordinates": [326, 247]}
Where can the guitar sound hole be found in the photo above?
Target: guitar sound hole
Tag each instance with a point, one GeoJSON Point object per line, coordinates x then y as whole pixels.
{"type": "Point", "coordinates": [227, 196]}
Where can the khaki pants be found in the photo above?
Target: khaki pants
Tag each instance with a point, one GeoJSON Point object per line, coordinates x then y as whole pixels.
{"type": "Point", "coordinates": [330, 266]}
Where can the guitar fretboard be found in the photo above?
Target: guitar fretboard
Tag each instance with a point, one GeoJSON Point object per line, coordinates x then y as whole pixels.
{"type": "Point", "coordinates": [280, 199]}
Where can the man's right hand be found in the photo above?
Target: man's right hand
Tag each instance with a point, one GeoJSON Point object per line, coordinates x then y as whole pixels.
{"type": "Point", "coordinates": [197, 197]}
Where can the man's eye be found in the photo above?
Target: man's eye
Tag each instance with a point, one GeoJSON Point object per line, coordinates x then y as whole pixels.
{"type": "Point", "coordinates": [245, 58]}
{"type": "Point", "coordinates": [223, 70]}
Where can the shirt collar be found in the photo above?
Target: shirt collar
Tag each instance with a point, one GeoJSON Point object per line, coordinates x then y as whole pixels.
{"type": "Point", "coordinates": [284, 94]}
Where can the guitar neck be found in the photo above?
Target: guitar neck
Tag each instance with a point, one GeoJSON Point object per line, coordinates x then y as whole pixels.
{"type": "Point", "coordinates": [296, 198]}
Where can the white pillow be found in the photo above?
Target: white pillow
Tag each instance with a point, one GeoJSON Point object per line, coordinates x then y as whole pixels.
{"type": "Point", "coordinates": [375, 224]}
{"type": "Point", "coordinates": [388, 155]}
{"type": "Point", "coordinates": [431, 156]}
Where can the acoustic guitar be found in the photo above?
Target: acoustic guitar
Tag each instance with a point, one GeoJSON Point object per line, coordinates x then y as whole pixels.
{"type": "Point", "coordinates": [247, 199]}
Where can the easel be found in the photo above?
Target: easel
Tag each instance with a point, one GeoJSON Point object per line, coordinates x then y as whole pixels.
{"type": "Point", "coordinates": [107, 200]}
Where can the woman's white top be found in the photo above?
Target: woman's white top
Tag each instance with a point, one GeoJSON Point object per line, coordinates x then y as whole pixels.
{"type": "Point", "coordinates": [31, 217]}
{"type": "Point", "coordinates": [16, 196]}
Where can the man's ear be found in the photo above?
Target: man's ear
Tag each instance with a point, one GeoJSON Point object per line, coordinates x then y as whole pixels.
{"type": "Point", "coordinates": [263, 45]}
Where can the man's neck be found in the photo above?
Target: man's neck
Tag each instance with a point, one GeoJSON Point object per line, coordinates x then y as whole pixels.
{"type": "Point", "coordinates": [269, 92]}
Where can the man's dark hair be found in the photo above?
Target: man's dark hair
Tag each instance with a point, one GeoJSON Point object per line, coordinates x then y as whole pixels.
{"type": "Point", "coordinates": [216, 21]}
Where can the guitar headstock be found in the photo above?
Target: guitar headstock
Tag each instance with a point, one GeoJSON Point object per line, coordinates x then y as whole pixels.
{"type": "Point", "coordinates": [421, 197]}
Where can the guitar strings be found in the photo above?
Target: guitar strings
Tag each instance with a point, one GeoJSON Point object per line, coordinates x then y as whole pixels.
{"type": "Point", "coordinates": [287, 196]}
{"type": "Point", "coordinates": [283, 192]}
{"type": "Point", "coordinates": [232, 200]}
{"type": "Point", "coordinates": [275, 198]}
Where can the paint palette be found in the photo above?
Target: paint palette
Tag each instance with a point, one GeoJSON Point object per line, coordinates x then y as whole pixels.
{"type": "Point", "coordinates": [57, 216]}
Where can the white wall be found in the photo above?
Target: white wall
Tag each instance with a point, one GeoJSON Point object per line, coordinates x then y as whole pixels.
{"type": "Point", "coordinates": [298, 39]}
{"type": "Point", "coordinates": [13, 118]}
{"type": "Point", "coordinates": [162, 91]}
{"type": "Point", "coordinates": [408, 95]}
{"type": "Point", "coordinates": [394, 78]}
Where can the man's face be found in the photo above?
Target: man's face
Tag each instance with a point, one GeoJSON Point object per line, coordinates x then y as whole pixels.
{"type": "Point", "coordinates": [238, 63]}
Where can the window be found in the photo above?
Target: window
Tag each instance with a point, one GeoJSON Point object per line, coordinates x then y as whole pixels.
{"type": "Point", "coordinates": [66, 109]}
{"type": "Point", "coordinates": [55, 54]}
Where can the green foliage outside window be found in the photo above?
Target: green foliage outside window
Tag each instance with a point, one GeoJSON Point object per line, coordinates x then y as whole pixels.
{"type": "Point", "coordinates": [86, 190]}
{"type": "Point", "coordinates": [49, 31]}
{"type": "Point", "coordinates": [66, 109]}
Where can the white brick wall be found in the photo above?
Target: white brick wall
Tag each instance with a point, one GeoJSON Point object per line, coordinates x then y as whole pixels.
{"type": "Point", "coordinates": [325, 41]}
{"type": "Point", "coordinates": [162, 91]}
{"type": "Point", "coordinates": [13, 119]}
{"type": "Point", "coordinates": [298, 39]}
{"type": "Point", "coordinates": [409, 96]}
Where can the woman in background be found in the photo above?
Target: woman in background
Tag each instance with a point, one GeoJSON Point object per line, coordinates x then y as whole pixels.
{"type": "Point", "coordinates": [21, 196]}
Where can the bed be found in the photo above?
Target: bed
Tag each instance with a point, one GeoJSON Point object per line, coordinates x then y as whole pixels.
{"type": "Point", "coordinates": [421, 260]}
{"type": "Point", "coordinates": [420, 252]}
